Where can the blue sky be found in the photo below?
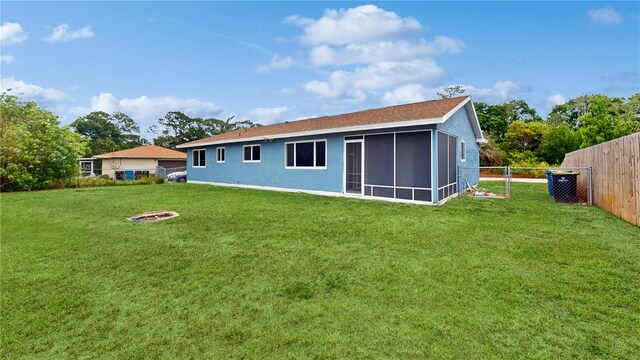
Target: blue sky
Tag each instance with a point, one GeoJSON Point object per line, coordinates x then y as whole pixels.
{"type": "Point", "coordinates": [277, 61]}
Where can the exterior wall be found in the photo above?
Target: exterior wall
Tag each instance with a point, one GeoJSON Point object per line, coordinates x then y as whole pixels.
{"type": "Point", "coordinates": [458, 125]}
{"type": "Point", "coordinates": [271, 172]}
{"type": "Point", "coordinates": [110, 166]}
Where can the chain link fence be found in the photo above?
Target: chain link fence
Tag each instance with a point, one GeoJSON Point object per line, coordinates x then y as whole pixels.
{"type": "Point", "coordinates": [564, 185]}
{"type": "Point", "coordinates": [494, 181]}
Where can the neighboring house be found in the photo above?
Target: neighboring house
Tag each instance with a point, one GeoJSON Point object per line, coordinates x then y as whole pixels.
{"type": "Point", "coordinates": [407, 153]}
{"type": "Point", "coordinates": [141, 161]}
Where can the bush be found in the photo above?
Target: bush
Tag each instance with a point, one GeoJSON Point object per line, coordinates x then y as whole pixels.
{"type": "Point", "coordinates": [85, 182]}
{"type": "Point", "coordinates": [35, 152]}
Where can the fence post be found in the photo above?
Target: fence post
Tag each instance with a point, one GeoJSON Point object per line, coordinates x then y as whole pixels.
{"type": "Point", "coordinates": [508, 182]}
{"type": "Point", "coordinates": [590, 190]}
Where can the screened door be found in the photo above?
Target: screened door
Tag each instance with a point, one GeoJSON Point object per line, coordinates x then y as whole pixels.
{"type": "Point", "coordinates": [447, 165]}
{"type": "Point", "coordinates": [353, 167]}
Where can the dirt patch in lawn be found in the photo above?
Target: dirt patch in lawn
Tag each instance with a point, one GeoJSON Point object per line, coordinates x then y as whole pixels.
{"type": "Point", "coordinates": [153, 216]}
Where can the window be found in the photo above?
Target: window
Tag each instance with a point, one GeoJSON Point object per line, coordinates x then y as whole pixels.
{"type": "Point", "coordinates": [199, 158]}
{"type": "Point", "coordinates": [251, 153]}
{"type": "Point", "coordinates": [463, 151]}
{"type": "Point", "coordinates": [220, 154]}
{"type": "Point", "coordinates": [306, 154]}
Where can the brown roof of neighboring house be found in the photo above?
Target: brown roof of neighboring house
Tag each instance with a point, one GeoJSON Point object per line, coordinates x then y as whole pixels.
{"type": "Point", "coordinates": [149, 151]}
{"type": "Point", "coordinates": [416, 111]}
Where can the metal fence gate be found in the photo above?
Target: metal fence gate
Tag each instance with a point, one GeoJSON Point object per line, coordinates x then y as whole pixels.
{"type": "Point", "coordinates": [570, 185]}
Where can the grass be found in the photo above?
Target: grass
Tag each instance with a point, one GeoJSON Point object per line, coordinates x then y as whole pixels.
{"type": "Point", "coordinates": [253, 274]}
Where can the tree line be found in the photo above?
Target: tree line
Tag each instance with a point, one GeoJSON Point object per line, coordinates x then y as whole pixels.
{"type": "Point", "coordinates": [117, 131]}
{"type": "Point", "coordinates": [36, 152]}
{"type": "Point", "coordinates": [517, 135]}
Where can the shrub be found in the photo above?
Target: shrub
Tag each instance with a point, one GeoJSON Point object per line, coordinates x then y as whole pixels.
{"type": "Point", "coordinates": [35, 152]}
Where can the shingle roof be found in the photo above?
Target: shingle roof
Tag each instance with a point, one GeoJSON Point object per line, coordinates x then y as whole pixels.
{"type": "Point", "coordinates": [416, 111]}
{"type": "Point", "coordinates": [149, 151]}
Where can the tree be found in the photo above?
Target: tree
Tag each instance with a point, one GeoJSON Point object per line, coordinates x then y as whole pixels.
{"type": "Point", "coordinates": [491, 154]}
{"type": "Point", "coordinates": [178, 128]}
{"type": "Point", "coordinates": [108, 132]}
{"type": "Point", "coordinates": [599, 123]}
{"type": "Point", "coordinates": [523, 136]}
{"type": "Point", "coordinates": [35, 152]}
{"type": "Point", "coordinates": [492, 120]}
{"type": "Point", "coordinates": [519, 110]}
{"type": "Point", "coordinates": [569, 112]}
{"type": "Point", "coordinates": [450, 91]}
{"type": "Point", "coordinates": [557, 141]}
{"type": "Point", "coordinates": [495, 119]}
{"type": "Point", "coordinates": [629, 122]}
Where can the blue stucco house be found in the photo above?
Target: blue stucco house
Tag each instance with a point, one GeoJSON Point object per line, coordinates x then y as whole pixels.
{"type": "Point", "coordinates": [408, 153]}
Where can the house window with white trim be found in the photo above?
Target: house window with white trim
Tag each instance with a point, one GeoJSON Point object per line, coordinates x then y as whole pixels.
{"type": "Point", "coordinates": [306, 154]}
{"type": "Point", "coordinates": [220, 154]}
{"type": "Point", "coordinates": [463, 151]}
{"type": "Point", "coordinates": [199, 158]}
{"type": "Point", "coordinates": [251, 153]}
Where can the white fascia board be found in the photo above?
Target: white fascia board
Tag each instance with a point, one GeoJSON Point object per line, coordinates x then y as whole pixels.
{"type": "Point", "coordinates": [481, 139]}
{"type": "Point", "coordinates": [418, 122]}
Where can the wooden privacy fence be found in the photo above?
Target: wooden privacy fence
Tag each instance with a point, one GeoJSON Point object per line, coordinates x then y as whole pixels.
{"type": "Point", "coordinates": [615, 176]}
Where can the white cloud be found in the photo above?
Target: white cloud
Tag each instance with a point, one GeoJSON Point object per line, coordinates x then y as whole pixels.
{"type": "Point", "coordinates": [31, 91]}
{"type": "Point", "coordinates": [353, 84]}
{"type": "Point", "coordinates": [267, 116]}
{"type": "Point", "coordinates": [61, 33]}
{"type": "Point", "coordinates": [368, 34]}
{"type": "Point", "coordinates": [149, 108]}
{"type": "Point", "coordinates": [276, 63]}
{"type": "Point", "coordinates": [444, 44]}
{"type": "Point", "coordinates": [605, 16]}
{"type": "Point", "coordinates": [321, 88]}
{"type": "Point", "coordinates": [499, 91]}
{"type": "Point", "coordinates": [11, 33]}
{"type": "Point", "coordinates": [7, 59]}
{"type": "Point", "coordinates": [355, 25]}
{"type": "Point", "coordinates": [103, 102]}
{"type": "Point", "coordinates": [409, 94]}
{"type": "Point", "coordinates": [388, 47]}
{"type": "Point", "coordinates": [556, 99]}
{"type": "Point", "coordinates": [383, 51]}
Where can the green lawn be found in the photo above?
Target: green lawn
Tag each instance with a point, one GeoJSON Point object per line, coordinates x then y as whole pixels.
{"type": "Point", "coordinates": [255, 274]}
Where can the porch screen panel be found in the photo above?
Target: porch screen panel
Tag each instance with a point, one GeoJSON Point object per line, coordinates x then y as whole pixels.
{"type": "Point", "coordinates": [413, 159]}
{"type": "Point", "coordinates": [443, 159]}
{"type": "Point", "coordinates": [378, 157]}
{"type": "Point", "coordinates": [453, 155]}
